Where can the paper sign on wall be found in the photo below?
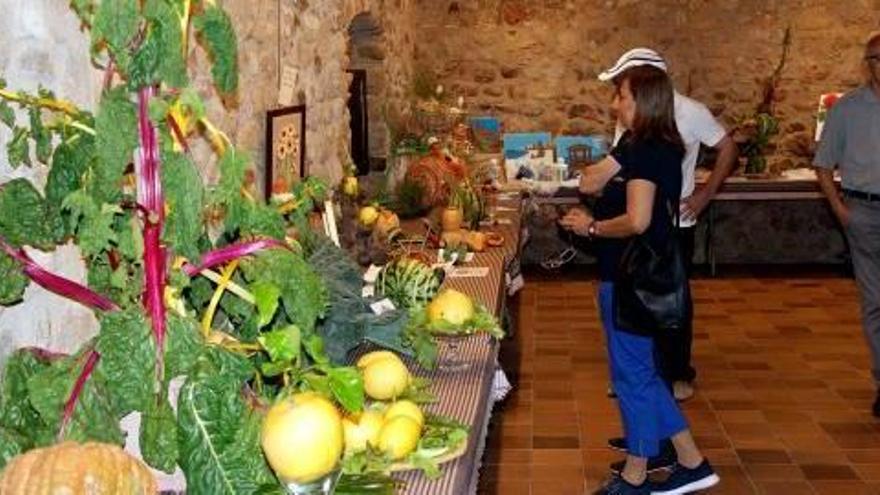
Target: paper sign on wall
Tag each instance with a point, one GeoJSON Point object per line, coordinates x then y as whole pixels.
{"type": "Point", "coordinates": [285, 90]}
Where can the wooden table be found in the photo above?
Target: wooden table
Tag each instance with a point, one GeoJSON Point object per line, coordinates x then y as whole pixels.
{"type": "Point", "coordinates": [466, 395]}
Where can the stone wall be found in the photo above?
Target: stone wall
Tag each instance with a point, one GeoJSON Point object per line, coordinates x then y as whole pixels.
{"type": "Point", "coordinates": [314, 39]}
{"type": "Point", "coordinates": [534, 63]}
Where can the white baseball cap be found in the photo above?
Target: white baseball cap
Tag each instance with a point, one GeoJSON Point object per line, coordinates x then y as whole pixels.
{"type": "Point", "coordinates": [634, 58]}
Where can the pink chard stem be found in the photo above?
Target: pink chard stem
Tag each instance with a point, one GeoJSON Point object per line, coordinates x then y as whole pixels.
{"type": "Point", "coordinates": [231, 252]}
{"type": "Point", "coordinates": [149, 194]}
{"type": "Point", "coordinates": [54, 283]}
{"type": "Point", "coordinates": [70, 405]}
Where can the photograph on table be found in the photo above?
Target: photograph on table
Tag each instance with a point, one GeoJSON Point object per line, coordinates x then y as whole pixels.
{"type": "Point", "coordinates": [520, 153]}
{"type": "Point", "coordinates": [580, 150]}
{"type": "Point", "coordinates": [487, 133]}
{"type": "Point", "coordinates": [285, 149]}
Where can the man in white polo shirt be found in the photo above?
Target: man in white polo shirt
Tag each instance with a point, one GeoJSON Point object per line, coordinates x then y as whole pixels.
{"type": "Point", "coordinates": [697, 127]}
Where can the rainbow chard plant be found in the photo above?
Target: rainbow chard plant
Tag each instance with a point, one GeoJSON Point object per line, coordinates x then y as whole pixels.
{"type": "Point", "coordinates": [192, 284]}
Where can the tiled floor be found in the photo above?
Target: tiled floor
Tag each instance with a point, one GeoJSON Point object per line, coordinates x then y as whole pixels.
{"type": "Point", "coordinates": [783, 395]}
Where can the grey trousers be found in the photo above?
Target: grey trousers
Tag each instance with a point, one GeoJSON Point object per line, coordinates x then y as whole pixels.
{"type": "Point", "coordinates": [863, 233]}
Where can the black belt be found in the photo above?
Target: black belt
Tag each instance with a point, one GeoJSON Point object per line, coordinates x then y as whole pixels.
{"type": "Point", "coordinates": [861, 195]}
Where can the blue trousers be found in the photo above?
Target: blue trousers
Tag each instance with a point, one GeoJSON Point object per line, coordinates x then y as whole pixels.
{"type": "Point", "coordinates": [649, 411]}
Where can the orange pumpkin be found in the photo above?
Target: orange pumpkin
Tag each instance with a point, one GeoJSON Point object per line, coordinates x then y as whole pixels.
{"type": "Point", "coordinates": [451, 218]}
{"type": "Point", "coordinates": [77, 469]}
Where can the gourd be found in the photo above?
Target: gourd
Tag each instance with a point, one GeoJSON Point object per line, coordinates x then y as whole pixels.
{"type": "Point", "coordinates": [451, 218]}
{"type": "Point", "coordinates": [77, 469]}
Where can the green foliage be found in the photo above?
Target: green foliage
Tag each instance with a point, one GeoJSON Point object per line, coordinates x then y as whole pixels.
{"type": "Point", "coordinates": [95, 416]}
{"type": "Point", "coordinates": [17, 149]}
{"type": "Point", "coordinates": [93, 224]}
{"type": "Point", "coordinates": [85, 10]}
{"type": "Point", "coordinates": [350, 321]}
{"type": "Point", "coordinates": [160, 57]}
{"type": "Point", "coordinates": [227, 195]}
{"type": "Point", "coordinates": [42, 137]}
{"type": "Point", "coordinates": [303, 295]}
{"type": "Point", "coordinates": [158, 439]}
{"type": "Point", "coordinates": [12, 443]}
{"type": "Point", "coordinates": [117, 137]}
{"type": "Point", "coordinates": [184, 194]}
{"type": "Point", "coordinates": [115, 25]}
{"type": "Point", "coordinates": [218, 435]}
{"type": "Point", "coordinates": [12, 281]}
{"type": "Point", "coordinates": [215, 30]}
{"type": "Point", "coordinates": [25, 217]}
{"type": "Point", "coordinates": [7, 114]}
{"type": "Point", "coordinates": [267, 297]}
{"type": "Point", "coordinates": [70, 161]}
{"type": "Point", "coordinates": [128, 359]}
{"type": "Point", "coordinates": [16, 411]}
{"type": "Point", "coordinates": [183, 343]}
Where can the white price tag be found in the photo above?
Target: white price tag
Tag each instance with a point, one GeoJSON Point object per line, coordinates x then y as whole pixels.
{"type": "Point", "coordinates": [382, 307]}
{"type": "Point", "coordinates": [368, 291]}
{"type": "Point", "coordinates": [469, 272]}
{"type": "Point", "coordinates": [371, 274]}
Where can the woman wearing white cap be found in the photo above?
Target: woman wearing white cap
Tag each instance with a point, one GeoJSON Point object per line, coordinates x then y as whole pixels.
{"type": "Point", "coordinates": [639, 181]}
{"type": "Point", "coordinates": [697, 127]}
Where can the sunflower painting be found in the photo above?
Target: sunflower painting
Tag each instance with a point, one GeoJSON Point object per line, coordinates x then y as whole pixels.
{"type": "Point", "coordinates": [285, 149]}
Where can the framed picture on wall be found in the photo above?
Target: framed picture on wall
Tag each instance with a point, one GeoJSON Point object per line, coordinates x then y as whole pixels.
{"type": "Point", "coordinates": [285, 149]}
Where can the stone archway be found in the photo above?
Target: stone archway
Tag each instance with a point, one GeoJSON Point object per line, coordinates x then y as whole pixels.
{"type": "Point", "coordinates": [366, 54]}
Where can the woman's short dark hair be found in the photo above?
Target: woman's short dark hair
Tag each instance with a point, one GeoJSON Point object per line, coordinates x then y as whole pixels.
{"type": "Point", "coordinates": [655, 104]}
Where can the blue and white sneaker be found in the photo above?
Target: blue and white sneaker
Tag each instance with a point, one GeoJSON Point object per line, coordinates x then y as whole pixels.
{"type": "Point", "coordinates": [683, 480]}
{"type": "Point", "coordinates": [616, 485]}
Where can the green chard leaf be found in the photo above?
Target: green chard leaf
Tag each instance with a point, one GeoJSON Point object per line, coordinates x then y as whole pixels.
{"type": "Point", "coordinates": [116, 126]}
{"type": "Point", "coordinates": [95, 416]}
{"type": "Point", "coordinates": [215, 30]}
{"type": "Point", "coordinates": [166, 30]}
{"type": "Point", "coordinates": [42, 137]}
{"type": "Point", "coordinates": [347, 386]}
{"type": "Point", "coordinates": [267, 296]}
{"type": "Point", "coordinates": [233, 165]}
{"type": "Point", "coordinates": [18, 149]}
{"type": "Point", "coordinates": [183, 194]}
{"type": "Point", "coordinates": [16, 411]}
{"type": "Point", "coordinates": [144, 62]}
{"type": "Point", "coordinates": [7, 114]}
{"type": "Point", "coordinates": [303, 295]}
{"type": "Point", "coordinates": [116, 24]}
{"type": "Point", "coordinates": [70, 161]}
{"type": "Point", "coordinates": [12, 443]}
{"type": "Point", "coordinates": [158, 440]}
{"type": "Point", "coordinates": [283, 345]}
{"type": "Point", "coordinates": [13, 281]}
{"type": "Point", "coordinates": [128, 358]}
{"type": "Point", "coordinates": [25, 217]}
{"type": "Point", "coordinates": [219, 438]}
{"type": "Point", "coordinates": [85, 10]}
{"type": "Point", "coordinates": [183, 342]}
{"type": "Point", "coordinates": [92, 223]}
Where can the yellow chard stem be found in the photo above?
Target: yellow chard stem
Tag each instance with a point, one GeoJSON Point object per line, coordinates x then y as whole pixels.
{"type": "Point", "coordinates": [62, 106]}
{"type": "Point", "coordinates": [217, 137]}
{"type": "Point", "coordinates": [215, 299]}
{"type": "Point", "coordinates": [230, 286]}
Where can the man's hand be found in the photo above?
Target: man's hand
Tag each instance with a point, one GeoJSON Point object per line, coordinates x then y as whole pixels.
{"type": "Point", "coordinates": [693, 205]}
{"type": "Point", "coordinates": [577, 220]}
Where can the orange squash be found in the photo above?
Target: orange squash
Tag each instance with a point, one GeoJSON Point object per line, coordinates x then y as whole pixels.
{"type": "Point", "coordinates": [77, 469]}
{"type": "Point", "coordinates": [451, 218]}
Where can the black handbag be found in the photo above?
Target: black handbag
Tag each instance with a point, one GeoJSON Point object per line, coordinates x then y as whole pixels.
{"type": "Point", "coordinates": [651, 289]}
